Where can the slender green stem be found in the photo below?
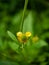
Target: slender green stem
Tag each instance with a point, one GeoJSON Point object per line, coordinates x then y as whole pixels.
{"type": "Point", "coordinates": [22, 22]}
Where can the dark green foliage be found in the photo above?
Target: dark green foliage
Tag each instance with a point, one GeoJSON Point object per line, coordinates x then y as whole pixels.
{"type": "Point", "coordinates": [36, 21]}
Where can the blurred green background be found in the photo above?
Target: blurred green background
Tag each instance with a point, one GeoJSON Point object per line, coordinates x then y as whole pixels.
{"type": "Point", "coordinates": [37, 17]}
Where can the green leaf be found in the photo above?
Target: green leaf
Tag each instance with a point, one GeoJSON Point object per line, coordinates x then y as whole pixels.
{"type": "Point", "coordinates": [44, 63]}
{"type": "Point", "coordinates": [14, 46]}
{"type": "Point", "coordinates": [12, 36]}
{"type": "Point", "coordinates": [41, 58]}
{"type": "Point", "coordinates": [3, 45]}
{"type": "Point", "coordinates": [40, 44]}
{"type": "Point", "coordinates": [8, 63]}
{"type": "Point", "coordinates": [28, 22]}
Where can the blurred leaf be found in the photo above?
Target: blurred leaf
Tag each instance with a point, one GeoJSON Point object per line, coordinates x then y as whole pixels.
{"type": "Point", "coordinates": [45, 35]}
{"type": "Point", "coordinates": [45, 19]}
{"type": "Point", "coordinates": [40, 44]}
{"type": "Point", "coordinates": [43, 63]}
{"type": "Point", "coordinates": [28, 22]}
{"type": "Point", "coordinates": [1, 44]}
{"type": "Point", "coordinates": [12, 36]}
{"type": "Point", "coordinates": [17, 18]}
{"type": "Point", "coordinates": [8, 63]}
{"type": "Point", "coordinates": [14, 46]}
{"type": "Point", "coordinates": [41, 58]}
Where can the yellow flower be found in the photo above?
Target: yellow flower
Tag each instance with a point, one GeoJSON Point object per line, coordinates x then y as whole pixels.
{"type": "Point", "coordinates": [23, 37]}
{"type": "Point", "coordinates": [19, 34]}
{"type": "Point", "coordinates": [35, 39]}
{"type": "Point", "coordinates": [28, 34]}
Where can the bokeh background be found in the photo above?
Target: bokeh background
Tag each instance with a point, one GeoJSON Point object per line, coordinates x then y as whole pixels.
{"type": "Point", "coordinates": [37, 17]}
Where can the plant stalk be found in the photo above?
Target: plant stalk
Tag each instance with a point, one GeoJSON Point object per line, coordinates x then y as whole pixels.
{"type": "Point", "coordinates": [22, 22]}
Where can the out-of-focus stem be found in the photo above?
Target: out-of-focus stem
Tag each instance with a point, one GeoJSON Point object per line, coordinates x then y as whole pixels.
{"type": "Point", "coordinates": [22, 22]}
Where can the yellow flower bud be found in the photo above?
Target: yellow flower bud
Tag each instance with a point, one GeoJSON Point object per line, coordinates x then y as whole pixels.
{"type": "Point", "coordinates": [28, 34]}
{"type": "Point", "coordinates": [19, 34]}
{"type": "Point", "coordinates": [35, 39]}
